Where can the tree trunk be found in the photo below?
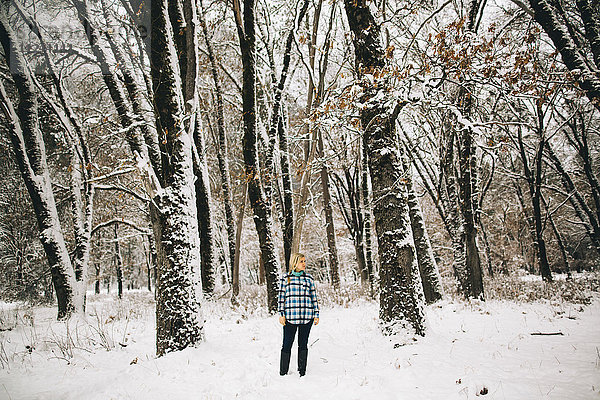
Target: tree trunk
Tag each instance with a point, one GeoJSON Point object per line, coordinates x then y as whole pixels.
{"type": "Point", "coordinates": [530, 228]}
{"type": "Point", "coordinates": [175, 224]}
{"type": "Point", "coordinates": [580, 207]}
{"type": "Point", "coordinates": [82, 190]}
{"type": "Point", "coordinates": [534, 181]}
{"type": "Point", "coordinates": [559, 240]}
{"type": "Point", "coordinates": [591, 21]}
{"type": "Point", "coordinates": [288, 193]}
{"type": "Point", "coordinates": [330, 228]}
{"type": "Point", "coordinates": [262, 214]}
{"type": "Point", "coordinates": [118, 262]}
{"type": "Point", "coordinates": [536, 196]}
{"type": "Point", "coordinates": [488, 250]}
{"type": "Point", "coordinates": [349, 202]}
{"type": "Point", "coordinates": [110, 79]}
{"type": "Point", "coordinates": [27, 142]}
{"type": "Point", "coordinates": [401, 300]}
{"type": "Point", "coordinates": [222, 154]}
{"type": "Point", "coordinates": [153, 260]}
{"type": "Point", "coordinates": [148, 271]}
{"type": "Point", "coordinates": [468, 187]}
{"type": "Point", "coordinates": [138, 95]}
{"type": "Point", "coordinates": [97, 283]}
{"type": "Point", "coordinates": [366, 207]}
{"type": "Point", "coordinates": [184, 19]}
{"type": "Point", "coordinates": [277, 127]}
{"type": "Point", "coordinates": [312, 132]}
{"type": "Point", "coordinates": [359, 250]}
{"type": "Point", "coordinates": [539, 237]}
{"type": "Point", "coordinates": [191, 94]}
{"type": "Point", "coordinates": [580, 142]}
{"type": "Point", "coordinates": [304, 187]}
{"type": "Point", "coordinates": [202, 187]}
{"type": "Point", "coordinates": [467, 181]}
{"type": "Point", "coordinates": [235, 276]}
{"type": "Point", "coordinates": [82, 208]}
{"type": "Point", "coordinates": [309, 132]}
{"type": "Point", "coordinates": [146, 150]}
{"type": "Point", "coordinates": [430, 276]}
{"type": "Point", "coordinates": [573, 55]}
{"type": "Point", "coordinates": [461, 181]}
{"type": "Point", "coordinates": [455, 225]}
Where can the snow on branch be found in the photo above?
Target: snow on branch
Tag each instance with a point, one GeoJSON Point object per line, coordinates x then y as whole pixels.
{"type": "Point", "coordinates": [120, 221]}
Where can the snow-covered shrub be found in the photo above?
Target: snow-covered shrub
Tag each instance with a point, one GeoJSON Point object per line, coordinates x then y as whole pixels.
{"type": "Point", "coordinates": [580, 288]}
{"type": "Point", "coordinates": [347, 296]}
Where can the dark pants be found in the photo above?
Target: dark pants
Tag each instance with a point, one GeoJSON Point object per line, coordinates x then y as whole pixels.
{"type": "Point", "coordinates": [289, 332]}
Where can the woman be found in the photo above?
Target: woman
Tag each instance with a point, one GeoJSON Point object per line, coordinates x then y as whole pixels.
{"type": "Point", "coordinates": [298, 310]}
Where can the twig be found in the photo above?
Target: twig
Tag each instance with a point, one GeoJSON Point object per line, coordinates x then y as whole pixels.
{"type": "Point", "coordinates": [6, 390]}
{"type": "Point", "coordinates": [547, 334]}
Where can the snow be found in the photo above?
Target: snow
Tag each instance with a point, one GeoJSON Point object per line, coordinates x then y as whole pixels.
{"type": "Point", "coordinates": [469, 348]}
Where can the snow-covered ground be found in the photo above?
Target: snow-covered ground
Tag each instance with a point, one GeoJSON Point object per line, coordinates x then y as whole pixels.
{"type": "Point", "coordinates": [472, 350]}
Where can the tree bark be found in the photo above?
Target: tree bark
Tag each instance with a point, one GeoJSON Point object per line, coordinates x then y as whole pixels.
{"type": "Point", "coordinates": [455, 225]}
{"type": "Point", "coordinates": [276, 128]}
{"type": "Point", "coordinates": [401, 300]}
{"type": "Point", "coordinates": [118, 262]}
{"type": "Point", "coordinates": [559, 239]}
{"type": "Point", "coordinates": [288, 192]}
{"type": "Point", "coordinates": [432, 189]}
{"type": "Point", "coordinates": [97, 283]}
{"type": "Point", "coordinates": [579, 141]}
{"type": "Point", "coordinates": [349, 203]}
{"type": "Point", "coordinates": [175, 221]}
{"type": "Point", "coordinates": [235, 276]}
{"type": "Point", "coordinates": [574, 57]}
{"type": "Point", "coordinates": [580, 206]}
{"type": "Point", "coordinates": [529, 220]}
{"type": "Point", "coordinates": [312, 132]}
{"type": "Point", "coordinates": [202, 187]}
{"type": "Point", "coordinates": [468, 188]}
{"type": "Point", "coordinates": [591, 23]}
{"type": "Point", "coordinates": [184, 19]}
{"type": "Point", "coordinates": [222, 154]}
{"type": "Point", "coordinates": [366, 209]}
{"type": "Point", "coordinates": [430, 276]}
{"type": "Point", "coordinates": [330, 227]}
{"type": "Point", "coordinates": [262, 214]}
{"type": "Point", "coordinates": [467, 180]}
{"type": "Point", "coordinates": [534, 181]}
{"type": "Point", "coordinates": [488, 250]}
{"type": "Point", "coordinates": [82, 189]}
{"type": "Point", "coordinates": [27, 142]}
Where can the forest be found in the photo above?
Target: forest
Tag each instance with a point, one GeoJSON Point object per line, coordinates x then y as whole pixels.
{"type": "Point", "coordinates": [169, 156]}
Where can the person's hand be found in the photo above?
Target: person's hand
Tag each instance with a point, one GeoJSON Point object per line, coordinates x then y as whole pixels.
{"type": "Point", "coordinates": [282, 320]}
{"type": "Point", "coordinates": [316, 322]}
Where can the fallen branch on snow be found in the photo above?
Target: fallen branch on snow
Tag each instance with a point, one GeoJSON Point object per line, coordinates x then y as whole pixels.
{"type": "Point", "coordinates": [546, 333]}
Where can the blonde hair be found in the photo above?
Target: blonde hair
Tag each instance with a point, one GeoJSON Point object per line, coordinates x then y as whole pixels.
{"type": "Point", "coordinates": [294, 259]}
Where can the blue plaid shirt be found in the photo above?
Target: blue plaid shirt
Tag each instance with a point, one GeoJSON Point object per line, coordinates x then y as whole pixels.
{"type": "Point", "coordinates": [298, 299]}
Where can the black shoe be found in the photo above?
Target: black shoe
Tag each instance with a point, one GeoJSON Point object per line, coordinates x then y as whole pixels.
{"type": "Point", "coordinates": [284, 363]}
{"type": "Point", "coordinates": [302, 357]}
